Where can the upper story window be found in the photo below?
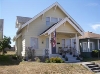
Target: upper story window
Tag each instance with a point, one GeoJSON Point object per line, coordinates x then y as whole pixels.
{"type": "Point", "coordinates": [60, 19]}
{"type": "Point", "coordinates": [47, 20]}
{"type": "Point", "coordinates": [52, 20]}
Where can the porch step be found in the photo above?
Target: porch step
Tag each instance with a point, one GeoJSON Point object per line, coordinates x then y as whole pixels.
{"type": "Point", "coordinates": [71, 59]}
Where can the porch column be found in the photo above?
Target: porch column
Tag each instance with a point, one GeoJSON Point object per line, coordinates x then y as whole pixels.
{"type": "Point", "coordinates": [50, 44]}
{"type": "Point", "coordinates": [98, 44]}
{"type": "Point", "coordinates": [88, 45]}
{"type": "Point", "coordinates": [76, 43]}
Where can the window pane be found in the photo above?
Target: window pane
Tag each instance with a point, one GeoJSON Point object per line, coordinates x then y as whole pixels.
{"type": "Point", "coordinates": [60, 19]}
{"type": "Point", "coordinates": [34, 42]}
{"type": "Point", "coordinates": [54, 20]}
{"type": "Point", "coordinates": [47, 18]}
{"type": "Point", "coordinates": [47, 22]}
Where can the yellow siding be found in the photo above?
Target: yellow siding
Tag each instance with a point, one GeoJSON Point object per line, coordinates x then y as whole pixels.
{"type": "Point", "coordinates": [19, 45]}
{"type": "Point", "coordinates": [66, 28]}
{"type": "Point", "coordinates": [38, 26]}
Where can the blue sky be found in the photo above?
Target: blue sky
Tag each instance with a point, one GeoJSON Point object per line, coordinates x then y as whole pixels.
{"type": "Point", "coordinates": [85, 12]}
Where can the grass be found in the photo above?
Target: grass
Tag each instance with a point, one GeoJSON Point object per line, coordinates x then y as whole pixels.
{"type": "Point", "coordinates": [44, 68]}
{"type": "Point", "coordinates": [8, 66]}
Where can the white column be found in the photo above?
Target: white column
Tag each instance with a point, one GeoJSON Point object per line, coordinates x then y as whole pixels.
{"type": "Point", "coordinates": [71, 42]}
{"type": "Point", "coordinates": [76, 43]}
{"type": "Point", "coordinates": [98, 44]}
{"type": "Point", "coordinates": [88, 45]}
{"type": "Point", "coordinates": [50, 44]}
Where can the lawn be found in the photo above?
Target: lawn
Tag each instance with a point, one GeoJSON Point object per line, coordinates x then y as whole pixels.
{"type": "Point", "coordinates": [44, 68]}
{"type": "Point", "coordinates": [8, 66]}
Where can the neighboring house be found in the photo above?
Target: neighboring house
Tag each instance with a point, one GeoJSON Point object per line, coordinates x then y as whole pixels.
{"type": "Point", "coordinates": [39, 32]}
{"type": "Point", "coordinates": [1, 28]}
{"type": "Point", "coordinates": [88, 42]}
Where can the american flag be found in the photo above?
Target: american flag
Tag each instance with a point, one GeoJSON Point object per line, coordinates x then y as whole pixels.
{"type": "Point", "coordinates": [54, 39]}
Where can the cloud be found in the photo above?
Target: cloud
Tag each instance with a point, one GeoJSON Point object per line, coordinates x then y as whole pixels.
{"type": "Point", "coordinates": [92, 4]}
{"type": "Point", "coordinates": [95, 26]}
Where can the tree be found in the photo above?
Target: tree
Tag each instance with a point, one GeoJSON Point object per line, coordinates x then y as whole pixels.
{"type": "Point", "coordinates": [5, 43]}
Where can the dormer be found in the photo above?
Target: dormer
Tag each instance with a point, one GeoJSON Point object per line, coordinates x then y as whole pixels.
{"type": "Point", "coordinates": [21, 20]}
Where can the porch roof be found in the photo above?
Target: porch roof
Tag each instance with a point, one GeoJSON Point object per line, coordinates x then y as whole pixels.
{"type": "Point", "coordinates": [56, 25]}
{"type": "Point", "coordinates": [90, 35]}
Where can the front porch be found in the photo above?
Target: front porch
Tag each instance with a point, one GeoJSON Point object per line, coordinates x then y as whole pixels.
{"type": "Point", "coordinates": [66, 43]}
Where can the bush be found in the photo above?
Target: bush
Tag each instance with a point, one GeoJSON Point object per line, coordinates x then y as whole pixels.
{"type": "Point", "coordinates": [54, 60]}
{"type": "Point", "coordinates": [37, 59]}
{"type": "Point", "coordinates": [95, 53]}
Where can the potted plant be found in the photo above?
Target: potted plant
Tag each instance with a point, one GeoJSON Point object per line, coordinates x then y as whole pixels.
{"type": "Point", "coordinates": [66, 58]}
{"type": "Point", "coordinates": [63, 55]}
{"type": "Point", "coordinates": [60, 50]}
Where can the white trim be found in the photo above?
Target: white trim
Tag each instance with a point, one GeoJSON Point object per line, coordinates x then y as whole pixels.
{"type": "Point", "coordinates": [98, 44]}
{"type": "Point", "coordinates": [88, 45]}
{"type": "Point", "coordinates": [18, 35]}
{"type": "Point", "coordinates": [50, 51]}
{"type": "Point", "coordinates": [55, 4]}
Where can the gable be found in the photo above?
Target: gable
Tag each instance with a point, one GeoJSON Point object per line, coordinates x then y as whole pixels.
{"type": "Point", "coordinates": [66, 28]}
{"type": "Point", "coordinates": [38, 26]}
{"type": "Point", "coordinates": [56, 4]}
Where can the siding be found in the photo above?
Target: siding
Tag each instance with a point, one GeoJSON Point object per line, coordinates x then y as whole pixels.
{"type": "Point", "coordinates": [66, 28]}
{"type": "Point", "coordinates": [38, 26]}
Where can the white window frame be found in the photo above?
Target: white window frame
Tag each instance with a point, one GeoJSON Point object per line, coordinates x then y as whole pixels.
{"type": "Point", "coordinates": [58, 19]}
{"type": "Point", "coordinates": [83, 47]}
{"type": "Point", "coordinates": [31, 42]}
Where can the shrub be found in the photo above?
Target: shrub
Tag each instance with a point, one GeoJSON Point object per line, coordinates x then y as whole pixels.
{"type": "Point", "coordinates": [54, 60]}
{"type": "Point", "coordinates": [95, 53]}
{"type": "Point", "coordinates": [37, 59]}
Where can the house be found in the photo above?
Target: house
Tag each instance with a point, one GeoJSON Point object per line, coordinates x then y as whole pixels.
{"type": "Point", "coordinates": [50, 29]}
{"type": "Point", "coordinates": [88, 42]}
{"type": "Point", "coordinates": [1, 28]}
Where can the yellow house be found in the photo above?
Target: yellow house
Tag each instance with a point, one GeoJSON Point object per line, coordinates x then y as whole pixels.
{"type": "Point", "coordinates": [1, 29]}
{"type": "Point", "coordinates": [38, 32]}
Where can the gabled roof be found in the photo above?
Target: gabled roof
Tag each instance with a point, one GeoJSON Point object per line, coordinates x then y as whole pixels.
{"type": "Point", "coordinates": [89, 35]}
{"type": "Point", "coordinates": [56, 25]}
{"type": "Point", "coordinates": [41, 13]}
{"type": "Point", "coordinates": [1, 24]}
{"type": "Point", "coordinates": [22, 20]}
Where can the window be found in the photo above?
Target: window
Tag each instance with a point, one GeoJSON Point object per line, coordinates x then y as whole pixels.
{"type": "Point", "coordinates": [91, 46]}
{"type": "Point", "coordinates": [47, 20]}
{"type": "Point", "coordinates": [54, 20]}
{"type": "Point", "coordinates": [60, 19]}
{"type": "Point", "coordinates": [34, 43]}
{"type": "Point", "coordinates": [84, 46]}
